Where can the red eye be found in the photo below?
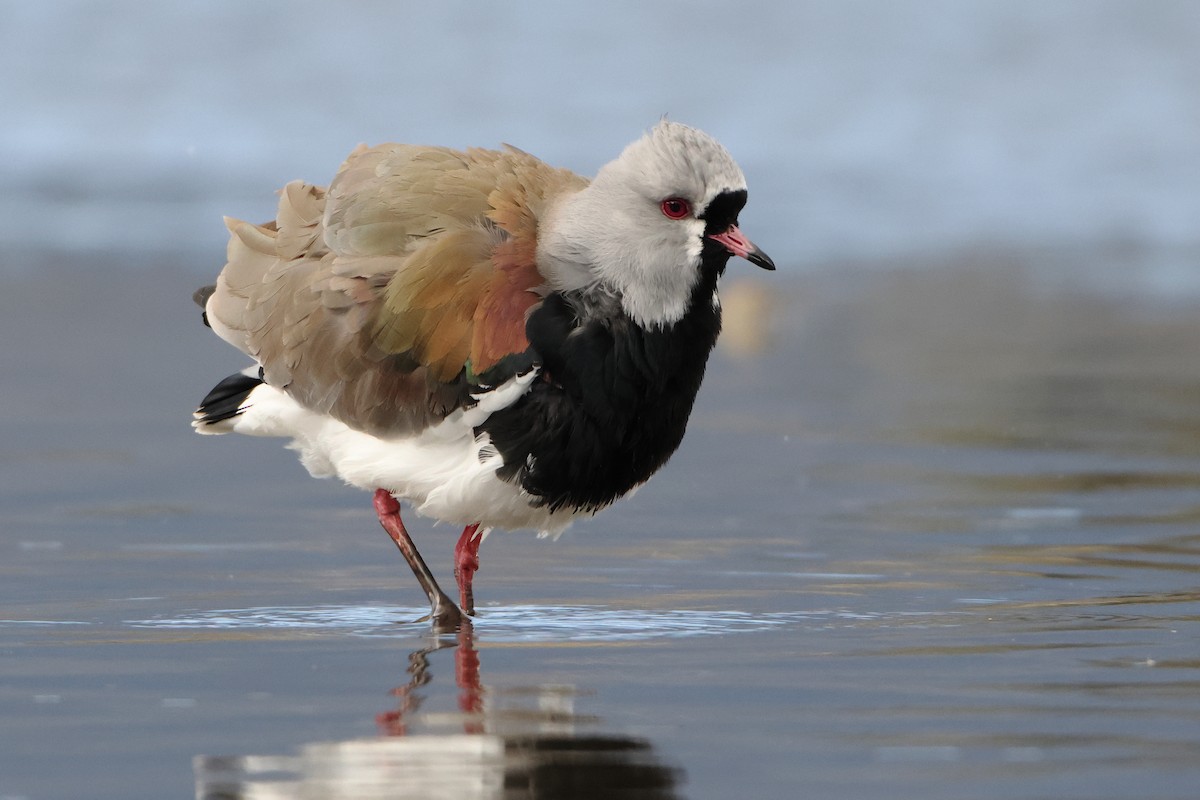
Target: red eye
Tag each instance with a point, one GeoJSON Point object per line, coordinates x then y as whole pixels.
{"type": "Point", "coordinates": [675, 207]}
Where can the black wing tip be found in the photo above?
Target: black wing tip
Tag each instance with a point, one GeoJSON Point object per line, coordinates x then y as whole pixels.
{"type": "Point", "coordinates": [226, 399]}
{"type": "Point", "coordinates": [507, 367]}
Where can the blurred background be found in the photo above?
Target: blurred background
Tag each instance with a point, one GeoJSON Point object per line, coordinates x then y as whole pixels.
{"type": "Point", "coordinates": [870, 131]}
{"type": "Point", "coordinates": [933, 531]}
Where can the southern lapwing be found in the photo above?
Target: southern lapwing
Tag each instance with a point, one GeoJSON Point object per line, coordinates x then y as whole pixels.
{"type": "Point", "coordinates": [499, 342]}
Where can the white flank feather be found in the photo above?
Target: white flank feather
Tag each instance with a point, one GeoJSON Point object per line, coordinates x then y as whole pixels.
{"type": "Point", "coordinates": [445, 472]}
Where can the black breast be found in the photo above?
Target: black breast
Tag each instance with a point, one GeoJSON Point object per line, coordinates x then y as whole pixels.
{"type": "Point", "coordinates": [612, 403]}
{"type": "Point", "coordinates": [613, 399]}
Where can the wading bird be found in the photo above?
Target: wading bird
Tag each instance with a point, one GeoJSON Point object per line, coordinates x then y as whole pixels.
{"type": "Point", "coordinates": [496, 341]}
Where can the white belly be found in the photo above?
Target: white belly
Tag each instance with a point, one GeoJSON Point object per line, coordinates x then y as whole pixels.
{"type": "Point", "coordinates": [445, 472]}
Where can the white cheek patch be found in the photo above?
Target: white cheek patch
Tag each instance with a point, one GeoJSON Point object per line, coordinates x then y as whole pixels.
{"type": "Point", "coordinates": [657, 287]}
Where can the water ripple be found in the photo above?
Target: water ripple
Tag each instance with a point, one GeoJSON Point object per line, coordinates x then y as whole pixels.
{"type": "Point", "coordinates": [509, 623]}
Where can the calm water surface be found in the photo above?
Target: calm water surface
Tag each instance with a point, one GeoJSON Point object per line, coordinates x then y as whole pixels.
{"type": "Point", "coordinates": [932, 534]}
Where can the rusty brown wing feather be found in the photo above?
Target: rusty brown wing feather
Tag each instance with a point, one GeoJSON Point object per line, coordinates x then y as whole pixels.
{"type": "Point", "coordinates": [389, 298]}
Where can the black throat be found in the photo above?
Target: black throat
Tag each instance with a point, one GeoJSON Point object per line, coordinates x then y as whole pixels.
{"type": "Point", "coordinates": [613, 399]}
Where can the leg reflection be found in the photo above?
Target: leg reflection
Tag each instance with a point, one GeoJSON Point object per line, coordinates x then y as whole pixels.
{"type": "Point", "coordinates": [500, 743]}
{"type": "Point", "coordinates": [466, 676]}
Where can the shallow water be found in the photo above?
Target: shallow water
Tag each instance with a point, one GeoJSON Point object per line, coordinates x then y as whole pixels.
{"type": "Point", "coordinates": [932, 534]}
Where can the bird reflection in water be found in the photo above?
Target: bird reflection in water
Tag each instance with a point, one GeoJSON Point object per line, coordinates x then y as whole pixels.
{"type": "Point", "coordinates": [501, 744]}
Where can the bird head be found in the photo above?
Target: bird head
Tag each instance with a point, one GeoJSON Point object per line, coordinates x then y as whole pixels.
{"type": "Point", "coordinates": [651, 225]}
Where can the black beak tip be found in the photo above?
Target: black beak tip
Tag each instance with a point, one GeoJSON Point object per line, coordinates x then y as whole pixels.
{"type": "Point", "coordinates": [760, 259]}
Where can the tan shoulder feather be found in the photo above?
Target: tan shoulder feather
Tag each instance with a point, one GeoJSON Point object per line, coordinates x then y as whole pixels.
{"type": "Point", "coordinates": [383, 299]}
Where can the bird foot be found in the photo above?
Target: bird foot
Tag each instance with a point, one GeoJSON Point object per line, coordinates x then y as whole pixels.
{"type": "Point", "coordinates": [445, 617]}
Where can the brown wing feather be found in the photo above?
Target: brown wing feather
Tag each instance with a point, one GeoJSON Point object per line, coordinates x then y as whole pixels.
{"type": "Point", "coordinates": [379, 300]}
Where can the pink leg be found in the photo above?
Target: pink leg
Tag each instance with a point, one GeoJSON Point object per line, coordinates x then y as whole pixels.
{"type": "Point", "coordinates": [466, 675]}
{"type": "Point", "coordinates": [445, 615]}
{"type": "Point", "coordinates": [466, 562]}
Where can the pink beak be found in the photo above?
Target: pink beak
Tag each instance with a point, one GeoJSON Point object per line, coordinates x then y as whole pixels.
{"type": "Point", "coordinates": [736, 242]}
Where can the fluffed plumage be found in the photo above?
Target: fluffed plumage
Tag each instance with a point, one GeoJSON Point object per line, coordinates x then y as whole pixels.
{"type": "Point", "coordinates": [497, 341]}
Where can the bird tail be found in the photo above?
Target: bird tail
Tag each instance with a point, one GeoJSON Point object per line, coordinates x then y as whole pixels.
{"type": "Point", "coordinates": [200, 298]}
{"type": "Point", "coordinates": [226, 402]}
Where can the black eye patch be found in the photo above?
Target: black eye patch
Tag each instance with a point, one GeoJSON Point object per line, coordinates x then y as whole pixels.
{"type": "Point", "coordinates": [723, 211]}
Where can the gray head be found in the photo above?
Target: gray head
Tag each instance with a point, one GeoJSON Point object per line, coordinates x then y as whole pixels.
{"type": "Point", "coordinates": [640, 228]}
